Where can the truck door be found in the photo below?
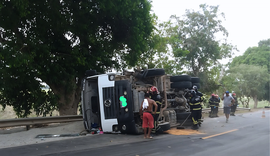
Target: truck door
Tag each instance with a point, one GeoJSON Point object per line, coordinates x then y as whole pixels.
{"type": "Point", "coordinates": [108, 108]}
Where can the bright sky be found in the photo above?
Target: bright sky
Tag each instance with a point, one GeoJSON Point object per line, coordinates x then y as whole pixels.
{"type": "Point", "coordinates": [247, 21]}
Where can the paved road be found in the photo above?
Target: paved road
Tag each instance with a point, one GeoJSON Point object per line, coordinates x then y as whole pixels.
{"type": "Point", "coordinates": [244, 135]}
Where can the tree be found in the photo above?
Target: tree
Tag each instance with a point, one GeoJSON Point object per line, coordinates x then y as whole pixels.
{"type": "Point", "coordinates": [158, 54]}
{"type": "Point", "coordinates": [56, 41]}
{"type": "Point", "coordinates": [194, 44]}
{"type": "Point", "coordinates": [258, 56]}
{"type": "Point", "coordinates": [255, 56]}
{"type": "Point", "coordinates": [247, 80]}
{"type": "Point", "coordinates": [156, 47]}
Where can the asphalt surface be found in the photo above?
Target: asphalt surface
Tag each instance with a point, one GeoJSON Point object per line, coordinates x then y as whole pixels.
{"type": "Point", "coordinates": [245, 135]}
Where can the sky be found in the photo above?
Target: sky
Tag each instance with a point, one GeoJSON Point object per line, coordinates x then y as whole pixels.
{"type": "Point", "coordinates": [247, 21]}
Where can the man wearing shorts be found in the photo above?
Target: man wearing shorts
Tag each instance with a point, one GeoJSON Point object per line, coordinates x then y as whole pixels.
{"type": "Point", "coordinates": [146, 112]}
{"type": "Point", "coordinates": [227, 102]}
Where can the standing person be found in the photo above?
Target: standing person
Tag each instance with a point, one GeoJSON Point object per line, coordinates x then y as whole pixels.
{"type": "Point", "coordinates": [154, 93]}
{"type": "Point", "coordinates": [146, 112]}
{"type": "Point", "coordinates": [212, 103]}
{"type": "Point", "coordinates": [217, 105]}
{"type": "Point", "coordinates": [198, 93]}
{"type": "Point", "coordinates": [234, 105]}
{"type": "Point", "coordinates": [227, 102]}
{"type": "Point", "coordinates": [195, 108]}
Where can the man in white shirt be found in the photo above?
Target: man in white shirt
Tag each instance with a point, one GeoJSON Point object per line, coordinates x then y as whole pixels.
{"type": "Point", "coordinates": [228, 100]}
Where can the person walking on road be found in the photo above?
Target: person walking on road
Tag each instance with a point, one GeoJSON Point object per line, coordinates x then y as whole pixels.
{"type": "Point", "coordinates": [227, 102]}
{"type": "Point", "coordinates": [234, 105]}
{"type": "Point", "coordinates": [146, 112]}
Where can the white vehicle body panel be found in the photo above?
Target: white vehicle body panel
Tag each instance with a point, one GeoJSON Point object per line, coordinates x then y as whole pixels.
{"type": "Point", "coordinates": [103, 82]}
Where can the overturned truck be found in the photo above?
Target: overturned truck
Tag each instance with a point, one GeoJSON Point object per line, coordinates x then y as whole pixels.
{"type": "Point", "coordinates": [112, 101]}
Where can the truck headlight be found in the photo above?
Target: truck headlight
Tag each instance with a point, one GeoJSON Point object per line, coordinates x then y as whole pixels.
{"type": "Point", "coordinates": [111, 77]}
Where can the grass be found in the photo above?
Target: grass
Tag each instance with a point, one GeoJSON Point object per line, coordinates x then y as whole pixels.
{"type": "Point", "coordinates": [261, 104]}
{"type": "Point", "coordinates": [9, 113]}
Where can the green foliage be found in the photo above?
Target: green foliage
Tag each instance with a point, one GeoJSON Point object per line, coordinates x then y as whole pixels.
{"type": "Point", "coordinates": [195, 33]}
{"type": "Point", "coordinates": [156, 44]}
{"type": "Point", "coordinates": [258, 56]}
{"type": "Point", "coordinates": [247, 80]}
{"type": "Point", "coordinates": [56, 41]}
{"type": "Point", "coordinates": [195, 48]}
{"type": "Point", "coordinates": [255, 55]}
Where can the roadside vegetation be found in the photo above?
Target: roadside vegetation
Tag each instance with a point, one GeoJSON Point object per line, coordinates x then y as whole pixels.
{"type": "Point", "coordinates": [55, 42]}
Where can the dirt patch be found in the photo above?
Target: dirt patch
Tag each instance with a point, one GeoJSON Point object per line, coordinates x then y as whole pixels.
{"type": "Point", "coordinates": [175, 131]}
{"type": "Point", "coordinates": [8, 113]}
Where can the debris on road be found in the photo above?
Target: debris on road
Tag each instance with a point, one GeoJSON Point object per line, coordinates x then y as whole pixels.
{"type": "Point", "coordinates": [175, 131]}
{"type": "Point", "coordinates": [56, 135]}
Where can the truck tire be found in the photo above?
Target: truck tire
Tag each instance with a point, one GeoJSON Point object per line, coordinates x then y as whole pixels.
{"type": "Point", "coordinates": [153, 72]}
{"type": "Point", "coordinates": [180, 78]}
{"type": "Point", "coordinates": [195, 80]}
{"type": "Point", "coordinates": [183, 84]}
{"type": "Point", "coordinates": [197, 84]}
{"type": "Point", "coordinates": [165, 126]}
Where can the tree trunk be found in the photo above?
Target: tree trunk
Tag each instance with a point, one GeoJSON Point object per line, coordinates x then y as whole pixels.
{"type": "Point", "coordinates": [68, 98]}
{"type": "Point", "coordinates": [248, 99]}
{"type": "Point", "coordinates": [255, 101]}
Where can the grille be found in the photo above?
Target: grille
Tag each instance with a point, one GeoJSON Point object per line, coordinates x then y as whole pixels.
{"type": "Point", "coordinates": [110, 108]}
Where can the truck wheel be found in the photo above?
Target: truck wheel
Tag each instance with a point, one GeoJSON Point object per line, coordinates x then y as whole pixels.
{"type": "Point", "coordinates": [153, 72]}
{"type": "Point", "coordinates": [183, 84]}
{"type": "Point", "coordinates": [197, 84]}
{"type": "Point", "coordinates": [195, 80]}
{"type": "Point", "coordinates": [165, 126]}
{"type": "Point", "coordinates": [180, 78]}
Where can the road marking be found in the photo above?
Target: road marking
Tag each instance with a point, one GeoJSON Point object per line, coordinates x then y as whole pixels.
{"type": "Point", "coordinates": [211, 136]}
